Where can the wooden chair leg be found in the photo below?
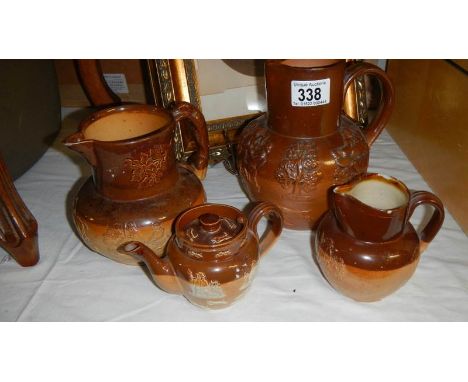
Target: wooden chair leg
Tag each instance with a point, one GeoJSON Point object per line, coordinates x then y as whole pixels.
{"type": "Point", "coordinates": [18, 227]}
{"type": "Point", "coordinates": [93, 83]}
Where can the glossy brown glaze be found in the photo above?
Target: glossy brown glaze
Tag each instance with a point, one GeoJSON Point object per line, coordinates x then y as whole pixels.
{"type": "Point", "coordinates": [212, 256]}
{"type": "Point", "coordinates": [294, 155]}
{"type": "Point", "coordinates": [18, 227]}
{"type": "Point", "coordinates": [365, 245]}
{"type": "Point", "coordinates": [137, 188]}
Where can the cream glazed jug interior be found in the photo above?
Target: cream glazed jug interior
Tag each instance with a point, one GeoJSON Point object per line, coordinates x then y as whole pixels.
{"type": "Point", "coordinates": [378, 194]}
{"type": "Point", "coordinates": [126, 125]}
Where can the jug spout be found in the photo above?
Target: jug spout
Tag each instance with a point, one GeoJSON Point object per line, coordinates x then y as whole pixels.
{"type": "Point", "coordinates": [372, 207]}
{"type": "Point", "coordinates": [161, 269]}
{"type": "Point", "coordinates": [85, 147]}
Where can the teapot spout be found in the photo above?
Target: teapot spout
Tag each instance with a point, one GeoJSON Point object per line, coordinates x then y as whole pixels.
{"type": "Point", "coordinates": [161, 270]}
{"type": "Point", "coordinates": [77, 142]}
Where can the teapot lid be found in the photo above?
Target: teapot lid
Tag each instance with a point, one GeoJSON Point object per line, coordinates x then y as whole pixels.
{"type": "Point", "coordinates": [210, 228]}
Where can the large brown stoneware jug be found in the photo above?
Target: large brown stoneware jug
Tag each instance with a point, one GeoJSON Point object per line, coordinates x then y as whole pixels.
{"type": "Point", "coordinates": [365, 245]}
{"type": "Point", "coordinates": [306, 143]}
{"type": "Point", "coordinates": [137, 188]}
{"type": "Point", "coordinates": [212, 256]}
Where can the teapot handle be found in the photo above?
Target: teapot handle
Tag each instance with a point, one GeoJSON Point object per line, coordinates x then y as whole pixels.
{"type": "Point", "coordinates": [198, 161]}
{"type": "Point", "coordinates": [273, 231]}
{"type": "Point", "coordinates": [435, 222]}
{"type": "Point", "coordinates": [358, 69]}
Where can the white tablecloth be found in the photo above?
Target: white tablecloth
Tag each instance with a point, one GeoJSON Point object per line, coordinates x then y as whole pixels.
{"type": "Point", "coordinates": [72, 283]}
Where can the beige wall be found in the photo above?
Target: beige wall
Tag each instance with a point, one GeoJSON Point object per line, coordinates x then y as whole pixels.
{"type": "Point", "coordinates": [430, 123]}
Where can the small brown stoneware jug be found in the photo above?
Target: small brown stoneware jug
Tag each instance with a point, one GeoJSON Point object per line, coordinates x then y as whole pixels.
{"type": "Point", "coordinates": [137, 188]}
{"type": "Point", "coordinates": [306, 143]}
{"type": "Point", "coordinates": [212, 256]}
{"type": "Point", "coordinates": [365, 245]}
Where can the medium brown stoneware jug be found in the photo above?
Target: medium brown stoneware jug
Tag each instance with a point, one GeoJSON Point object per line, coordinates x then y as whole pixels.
{"type": "Point", "coordinates": [365, 245]}
{"type": "Point", "coordinates": [306, 143]}
{"type": "Point", "coordinates": [137, 188]}
{"type": "Point", "coordinates": [212, 256]}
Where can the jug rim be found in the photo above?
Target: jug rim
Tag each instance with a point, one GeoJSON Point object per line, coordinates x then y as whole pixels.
{"type": "Point", "coordinates": [136, 108]}
{"type": "Point", "coordinates": [377, 176]}
{"type": "Point", "coordinates": [316, 63]}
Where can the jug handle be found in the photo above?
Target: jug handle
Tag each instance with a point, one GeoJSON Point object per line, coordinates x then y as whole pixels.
{"type": "Point", "coordinates": [198, 161]}
{"type": "Point", "coordinates": [437, 218]}
{"type": "Point", "coordinates": [358, 69]}
{"type": "Point", "coordinates": [273, 231]}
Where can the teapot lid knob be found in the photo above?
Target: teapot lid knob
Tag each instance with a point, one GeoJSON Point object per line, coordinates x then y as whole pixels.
{"type": "Point", "coordinates": [210, 222]}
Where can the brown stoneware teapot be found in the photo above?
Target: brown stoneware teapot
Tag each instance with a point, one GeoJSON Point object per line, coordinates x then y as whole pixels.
{"type": "Point", "coordinates": [306, 143]}
{"type": "Point", "coordinates": [365, 245]}
{"type": "Point", "coordinates": [212, 256]}
{"type": "Point", "coordinates": [137, 188]}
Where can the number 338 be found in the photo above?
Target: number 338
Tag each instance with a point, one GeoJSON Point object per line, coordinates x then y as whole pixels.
{"type": "Point", "coordinates": [312, 94]}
